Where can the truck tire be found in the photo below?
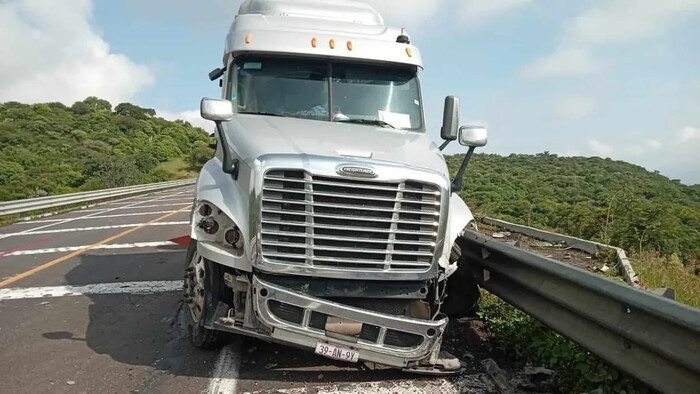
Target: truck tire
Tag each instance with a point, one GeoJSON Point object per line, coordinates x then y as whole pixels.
{"type": "Point", "coordinates": [462, 292]}
{"type": "Point", "coordinates": [203, 285]}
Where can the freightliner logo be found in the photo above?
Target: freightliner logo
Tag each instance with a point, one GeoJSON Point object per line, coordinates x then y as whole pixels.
{"type": "Point", "coordinates": [356, 171]}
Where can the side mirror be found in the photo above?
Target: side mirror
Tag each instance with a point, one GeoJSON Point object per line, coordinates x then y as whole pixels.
{"type": "Point", "coordinates": [473, 136]}
{"type": "Point", "coordinates": [450, 119]}
{"type": "Point", "coordinates": [216, 110]}
{"type": "Point", "coordinates": [221, 111]}
{"type": "Point", "coordinates": [216, 73]}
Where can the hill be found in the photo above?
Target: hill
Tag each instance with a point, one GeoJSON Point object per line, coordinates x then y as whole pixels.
{"type": "Point", "coordinates": [52, 149]}
{"type": "Point", "coordinates": [600, 199]}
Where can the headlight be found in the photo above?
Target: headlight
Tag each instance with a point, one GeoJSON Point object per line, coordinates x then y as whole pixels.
{"type": "Point", "coordinates": [212, 225]}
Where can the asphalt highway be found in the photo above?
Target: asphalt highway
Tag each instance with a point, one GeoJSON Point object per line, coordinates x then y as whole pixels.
{"type": "Point", "coordinates": [91, 302]}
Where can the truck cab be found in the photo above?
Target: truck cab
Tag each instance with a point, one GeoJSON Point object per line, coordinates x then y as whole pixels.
{"type": "Point", "coordinates": [327, 217]}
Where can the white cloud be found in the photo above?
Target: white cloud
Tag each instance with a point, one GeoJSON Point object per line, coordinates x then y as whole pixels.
{"type": "Point", "coordinates": [406, 14]}
{"type": "Point", "coordinates": [50, 52]}
{"type": "Point", "coordinates": [189, 116]}
{"type": "Point", "coordinates": [609, 23]}
{"type": "Point", "coordinates": [654, 144]}
{"type": "Point", "coordinates": [571, 108]}
{"type": "Point", "coordinates": [616, 22]}
{"type": "Point", "coordinates": [477, 12]}
{"type": "Point", "coordinates": [563, 63]}
{"type": "Point", "coordinates": [598, 148]}
{"type": "Point", "coordinates": [688, 134]}
{"type": "Point", "coordinates": [648, 147]}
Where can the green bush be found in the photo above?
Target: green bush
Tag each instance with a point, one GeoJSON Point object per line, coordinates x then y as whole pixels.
{"type": "Point", "coordinates": [529, 341]}
{"type": "Point", "coordinates": [199, 156]}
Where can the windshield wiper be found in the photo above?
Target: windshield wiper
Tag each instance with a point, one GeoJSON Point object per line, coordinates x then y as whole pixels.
{"type": "Point", "coordinates": [374, 122]}
{"type": "Point", "coordinates": [262, 113]}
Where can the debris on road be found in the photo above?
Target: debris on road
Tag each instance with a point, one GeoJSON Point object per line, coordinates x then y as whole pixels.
{"type": "Point", "coordinates": [499, 377]}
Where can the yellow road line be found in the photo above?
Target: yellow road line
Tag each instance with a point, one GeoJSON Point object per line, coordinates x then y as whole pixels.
{"type": "Point", "coordinates": [61, 259]}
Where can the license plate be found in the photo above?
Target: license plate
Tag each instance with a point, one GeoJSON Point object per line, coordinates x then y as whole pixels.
{"type": "Point", "coordinates": [337, 352]}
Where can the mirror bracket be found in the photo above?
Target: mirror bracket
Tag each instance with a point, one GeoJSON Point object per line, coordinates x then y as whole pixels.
{"type": "Point", "coordinates": [459, 178]}
{"type": "Point", "coordinates": [444, 145]}
{"type": "Point", "coordinates": [229, 165]}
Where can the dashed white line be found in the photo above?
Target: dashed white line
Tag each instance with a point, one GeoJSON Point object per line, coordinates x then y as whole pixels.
{"type": "Point", "coordinates": [74, 248]}
{"type": "Point", "coordinates": [149, 287]}
{"type": "Point", "coordinates": [225, 375]}
{"type": "Point", "coordinates": [70, 230]}
{"type": "Point", "coordinates": [102, 216]}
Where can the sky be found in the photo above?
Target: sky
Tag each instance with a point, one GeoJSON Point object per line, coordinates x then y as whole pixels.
{"type": "Point", "coordinates": [607, 78]}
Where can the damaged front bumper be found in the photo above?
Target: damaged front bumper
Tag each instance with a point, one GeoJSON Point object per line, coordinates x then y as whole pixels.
{"type": "Point", "coordinates": [291, 317]}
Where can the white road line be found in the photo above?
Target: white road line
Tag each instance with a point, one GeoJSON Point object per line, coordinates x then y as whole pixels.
{"type": "Point", "coordinates": [150, 287]}
{"type": "Point", "coordinates": [225, 375]}
{"type": "Point", "coordinates": [74, 248]}
{"type": "Point", "coordinates": [477, 383]}
{"type": "Point", "coordinates": [89, 215]}
{"type": "Point", "coordinates": [141, 206]}
{"type": "Point", "coordinates": [70, 230]}
{"type": "Point", "coordinates": [182, 200]}
{"type": "Point", "coordinates": [103, 216]}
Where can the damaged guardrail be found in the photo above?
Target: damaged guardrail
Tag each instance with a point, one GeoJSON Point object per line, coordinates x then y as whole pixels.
{"type": "Point", "coordinates": [19, 207]}
{"type": "Point", "coordinates": [650, 337]}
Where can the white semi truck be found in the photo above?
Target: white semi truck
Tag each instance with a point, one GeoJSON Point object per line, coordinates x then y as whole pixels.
{"type": "Point", "coordinates": [327, 218]}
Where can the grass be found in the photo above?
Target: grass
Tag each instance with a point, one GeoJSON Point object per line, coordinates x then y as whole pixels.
{"type": "Point", "coordinates": [657, 271]}
{"type": "Point", "coordinates": [179, 168]}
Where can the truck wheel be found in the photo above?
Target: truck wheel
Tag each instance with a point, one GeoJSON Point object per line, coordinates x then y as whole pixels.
{"type": "Point", "coordinates": [201, 295]}
{"type": "Point", "coordinates": [462, 292]}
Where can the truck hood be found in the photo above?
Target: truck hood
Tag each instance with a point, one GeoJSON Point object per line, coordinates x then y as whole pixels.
{"type": "Point", "coordinates": [252, 136]}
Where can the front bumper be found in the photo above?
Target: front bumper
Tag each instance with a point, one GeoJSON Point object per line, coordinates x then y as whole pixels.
{"type": "Point", "coordinates": [294, 318]}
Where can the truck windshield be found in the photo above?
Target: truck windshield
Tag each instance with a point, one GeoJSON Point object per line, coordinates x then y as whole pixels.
{"type": "Point", "coordinates": [330, 91]}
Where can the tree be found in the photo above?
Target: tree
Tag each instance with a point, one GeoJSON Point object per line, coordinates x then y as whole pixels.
{"type": "Point", "coordinates": [134, 111]}
{"type": "Point", "coordinates": [199, 155]}
{"type": "Point", "coordinates": [119, 172]}
{"type": "Point", "coordinates": [10, 172]}
{"type": "Point", "coordinates": [80, 108]}
{"type": "Point", "coordinates": [96, 104]}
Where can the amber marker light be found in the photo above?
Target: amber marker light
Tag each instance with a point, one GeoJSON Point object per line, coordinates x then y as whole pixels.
{"type": "Point", "coordinates": [314, 42]}
{"type": "Point", "coordinates": [248, 38]}
{"type": "Point", "coordinates": [331, 43]}
{"type": "Point", "coordinates": [349, 45]}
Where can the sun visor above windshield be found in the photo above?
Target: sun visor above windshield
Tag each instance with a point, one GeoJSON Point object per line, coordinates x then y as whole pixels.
{"type": "Point", "coordinates": [256, 33]}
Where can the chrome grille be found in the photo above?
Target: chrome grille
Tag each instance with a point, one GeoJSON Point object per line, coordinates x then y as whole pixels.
{"type": "Point", "coordinates": [345, 223]}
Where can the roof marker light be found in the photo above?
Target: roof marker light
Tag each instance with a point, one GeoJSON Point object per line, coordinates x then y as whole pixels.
{"type": "Point", "coordinates": [331, 43]}
{"type": "Point", "coordinates": [349, 45]}
{"type": "Point", "coordinates": [314, 42]}
{"type": "Point", "coordinates": [248, 38]}
{"type": "Point", "coordinates": [408, 52]}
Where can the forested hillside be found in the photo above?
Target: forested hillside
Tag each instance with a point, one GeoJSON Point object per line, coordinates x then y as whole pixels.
{"type": "Point", "coordinates": [52, 149]}
{"type": "Point", "coordinates": [610, 201]}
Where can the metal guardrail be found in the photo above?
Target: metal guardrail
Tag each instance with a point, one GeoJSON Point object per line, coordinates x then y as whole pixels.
{"type": "Point", "coordinates": [585, 245]}
{"type": "Point", "coordinates": [652, 338]}
{"type": "Point", "coordinates": [19, 207]}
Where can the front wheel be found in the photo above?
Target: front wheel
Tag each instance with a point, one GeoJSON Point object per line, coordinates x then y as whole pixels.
{"type": "Point", "coordinates": [201, 295]}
